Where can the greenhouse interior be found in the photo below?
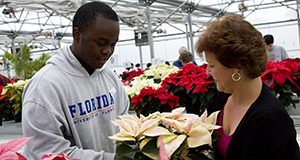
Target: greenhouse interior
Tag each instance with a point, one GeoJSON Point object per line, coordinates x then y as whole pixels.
{"type": "Point", "coordinates": [151, 32]}
{"type": "Point", "coordinates": [46, 25]}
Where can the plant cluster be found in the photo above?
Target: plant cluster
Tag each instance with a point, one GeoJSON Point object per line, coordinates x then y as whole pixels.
{"type": "Point", "coordinates": [192, 85]}
{"type": "Point", "coordinates": [283, 78]}
{"type": "Point", "coordinates": [164, 88]}
{"type": "Point", "coordinates": [13, 92]}
{"type": "Point", "coordinates": [182, 135]}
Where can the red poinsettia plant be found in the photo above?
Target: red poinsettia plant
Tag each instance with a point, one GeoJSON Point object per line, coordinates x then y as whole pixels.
{"type": "Point", "coordinates": [189, 87]}
{"type": "Point", "coordinates": [5, 105]}
{"type": "Point", "coordinates": [150, 100]}
{"type": "Point", "coordinates": [283, 79]}
{"type": "Point", "coordinates": [128, 76]}
{"type": "Point", "coordinates": [192, 85]}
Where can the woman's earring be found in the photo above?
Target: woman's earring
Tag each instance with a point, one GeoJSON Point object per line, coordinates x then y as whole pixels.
{"type": "Point", "coordinates": [236, 76]}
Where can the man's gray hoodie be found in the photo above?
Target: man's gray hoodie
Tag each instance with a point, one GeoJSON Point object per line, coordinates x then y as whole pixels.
{"type": "Point", "coordinates": [67, 110]}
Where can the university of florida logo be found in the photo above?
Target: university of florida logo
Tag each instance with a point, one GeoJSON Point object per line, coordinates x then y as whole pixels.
{"type": "Point", "coordinates": [91, 108]}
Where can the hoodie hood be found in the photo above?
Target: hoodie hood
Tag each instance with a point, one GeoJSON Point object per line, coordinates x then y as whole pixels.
{"type": "Point", "coordinates": [65, 60]}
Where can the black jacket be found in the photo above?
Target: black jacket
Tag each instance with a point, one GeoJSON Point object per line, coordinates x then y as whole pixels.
{"type": "Point", "coordinates": [266, 132]}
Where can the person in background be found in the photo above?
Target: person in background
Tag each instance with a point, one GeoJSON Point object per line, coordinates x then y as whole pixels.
{"type": "Point", "coordinates": [178, 63]}
{"type": "Point", "coordinates": [167, 63]}
{"type": "Point", "coordinates": [129, 68]}
{"type": "Point", "coordinates": [69, 104]}
{"type": "Point", "coordinates": [148, 66]}
{"type": "Point", "coordinates": [186, 57]}
{"type": "Point", "coordinates": [255, 125]}
{"type": "Point", "coordinates": [138, 67]}
{"type": "Point", "coordinates": [275, 53]}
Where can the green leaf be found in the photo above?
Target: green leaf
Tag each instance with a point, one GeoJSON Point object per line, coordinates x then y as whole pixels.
{"type": "Point", "coordinates": [150, 149]}
{"type": "Point", "coordinates": [286, 88]}
{"type": "Point", "coordinates": [126, 150]}
{"type": "Point", "coordinates": [191, 89]}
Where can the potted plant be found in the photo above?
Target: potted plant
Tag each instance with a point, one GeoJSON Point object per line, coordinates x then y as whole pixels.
{"type": "Point", "coordinates": [150, 80]}
{"type": "Point", "coordinates": [13, 92]}
{"type": "Point", "coordinates": [150, 100]}
{"type": "Point", "coordinates": [192, 85]}
{"type": "Point", "coordinates": [24, 67]}
{"type": "Point", "coordinates": [283, 80]}
{"type": "Point", "coordinates": [183, 135]}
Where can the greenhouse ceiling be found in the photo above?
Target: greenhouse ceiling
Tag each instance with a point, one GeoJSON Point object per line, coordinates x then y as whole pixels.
{"type": "Point", "coordinates": [48, 23]}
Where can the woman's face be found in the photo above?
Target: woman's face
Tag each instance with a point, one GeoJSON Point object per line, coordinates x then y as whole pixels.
{"type": "Point", "coordinates": [220, 73]}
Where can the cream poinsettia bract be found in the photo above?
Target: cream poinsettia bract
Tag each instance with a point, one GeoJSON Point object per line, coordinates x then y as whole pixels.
{"type": "Point", "coordinates": [171, 128]}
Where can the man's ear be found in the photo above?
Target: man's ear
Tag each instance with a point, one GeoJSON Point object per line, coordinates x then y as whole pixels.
{"type": "Point", "coordinates": [76, 34]}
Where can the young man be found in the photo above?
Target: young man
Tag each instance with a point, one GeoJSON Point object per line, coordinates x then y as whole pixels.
{"type": "Point", "coordinates": [69, 104]}
{"type": "Point", "coordinates": [275, 53]}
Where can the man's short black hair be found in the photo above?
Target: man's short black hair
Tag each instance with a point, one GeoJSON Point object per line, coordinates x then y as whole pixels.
{"type": "Point", "coordinates": [88, 12]}
{"type": "Point", "coordinates": [269, 39]}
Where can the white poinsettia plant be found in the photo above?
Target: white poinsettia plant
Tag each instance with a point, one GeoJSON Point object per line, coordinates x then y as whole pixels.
{"type": "Point", "coordinates": [151, 78]}
{"type": "Point", "coordinates": [180, 133]}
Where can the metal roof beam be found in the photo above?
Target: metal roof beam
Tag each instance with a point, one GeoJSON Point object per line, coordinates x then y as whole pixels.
{"type": "Point", "coordinates": [198, 7]}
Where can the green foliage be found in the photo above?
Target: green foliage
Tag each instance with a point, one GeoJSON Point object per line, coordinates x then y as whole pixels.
{"type": "Point", "coordinates": [130, 151]}
{"type": "Point", "coordinates": [22, 63]}
{"type": "Point", "coordinates": [24, 67]}
{"type": "Point", "coordinates": [13, 92]}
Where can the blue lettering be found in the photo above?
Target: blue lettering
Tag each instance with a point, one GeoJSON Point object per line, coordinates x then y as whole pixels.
{"type": "Point", "coordinates": [88, 106]}
{"type": "Point", "coordinates": [111, 99]}
{"type": "Point", "coordinates": [82, 112]}
{"type": "Point", "coordinates": [105, 101]}
{"type": "Point", "coordinates": [99, 104]}
{"type": "Point", "coordinates": [72, 110]}
{"type": "Point", "coordinates": [93, 104]}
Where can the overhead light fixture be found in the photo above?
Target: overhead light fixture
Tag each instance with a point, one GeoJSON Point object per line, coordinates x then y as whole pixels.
{"type": "Point", "coordinates": [9, 12]}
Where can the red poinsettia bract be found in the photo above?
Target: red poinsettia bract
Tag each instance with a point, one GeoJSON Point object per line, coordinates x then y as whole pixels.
{"type": "Point", "coordinates": [278, 73]}
{"type": "Point", "coordinates": [128, 76]}
{"type": "Point", "coordinates": [151, 100]}
{"type": "Point", "coordinates": [190, 76]}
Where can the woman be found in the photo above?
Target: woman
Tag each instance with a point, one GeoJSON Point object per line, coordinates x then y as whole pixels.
{"type": "Point", "coordinates": [255, 125]}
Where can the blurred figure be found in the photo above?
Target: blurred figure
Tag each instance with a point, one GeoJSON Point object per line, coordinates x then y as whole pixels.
{"type": "Point", "coordinates": [186, 57]}
{"type": "Point", "coordinates": [138, 67]}
{"type": "Point", "coordinates": [255, 125]}
{"type": "Point", "coordinates": [167, 63]}
{"type": "Point", "coordinates": [148, 66]}
{"type": "Point", "coordinates": [275, 53]}
{"type": "Point", "coordinates": [130, 67]}
{"type": "Point", "coordinates": [178, 63]}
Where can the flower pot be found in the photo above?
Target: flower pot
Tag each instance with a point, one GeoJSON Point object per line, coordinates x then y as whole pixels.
{"type": "Point", "coordinates": [18, 118]}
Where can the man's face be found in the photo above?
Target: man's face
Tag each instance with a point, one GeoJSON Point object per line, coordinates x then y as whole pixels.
{"type": "Point", "coordinates": [97, 43]}
{"type": "Point", "coordinates": [270, 46]}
